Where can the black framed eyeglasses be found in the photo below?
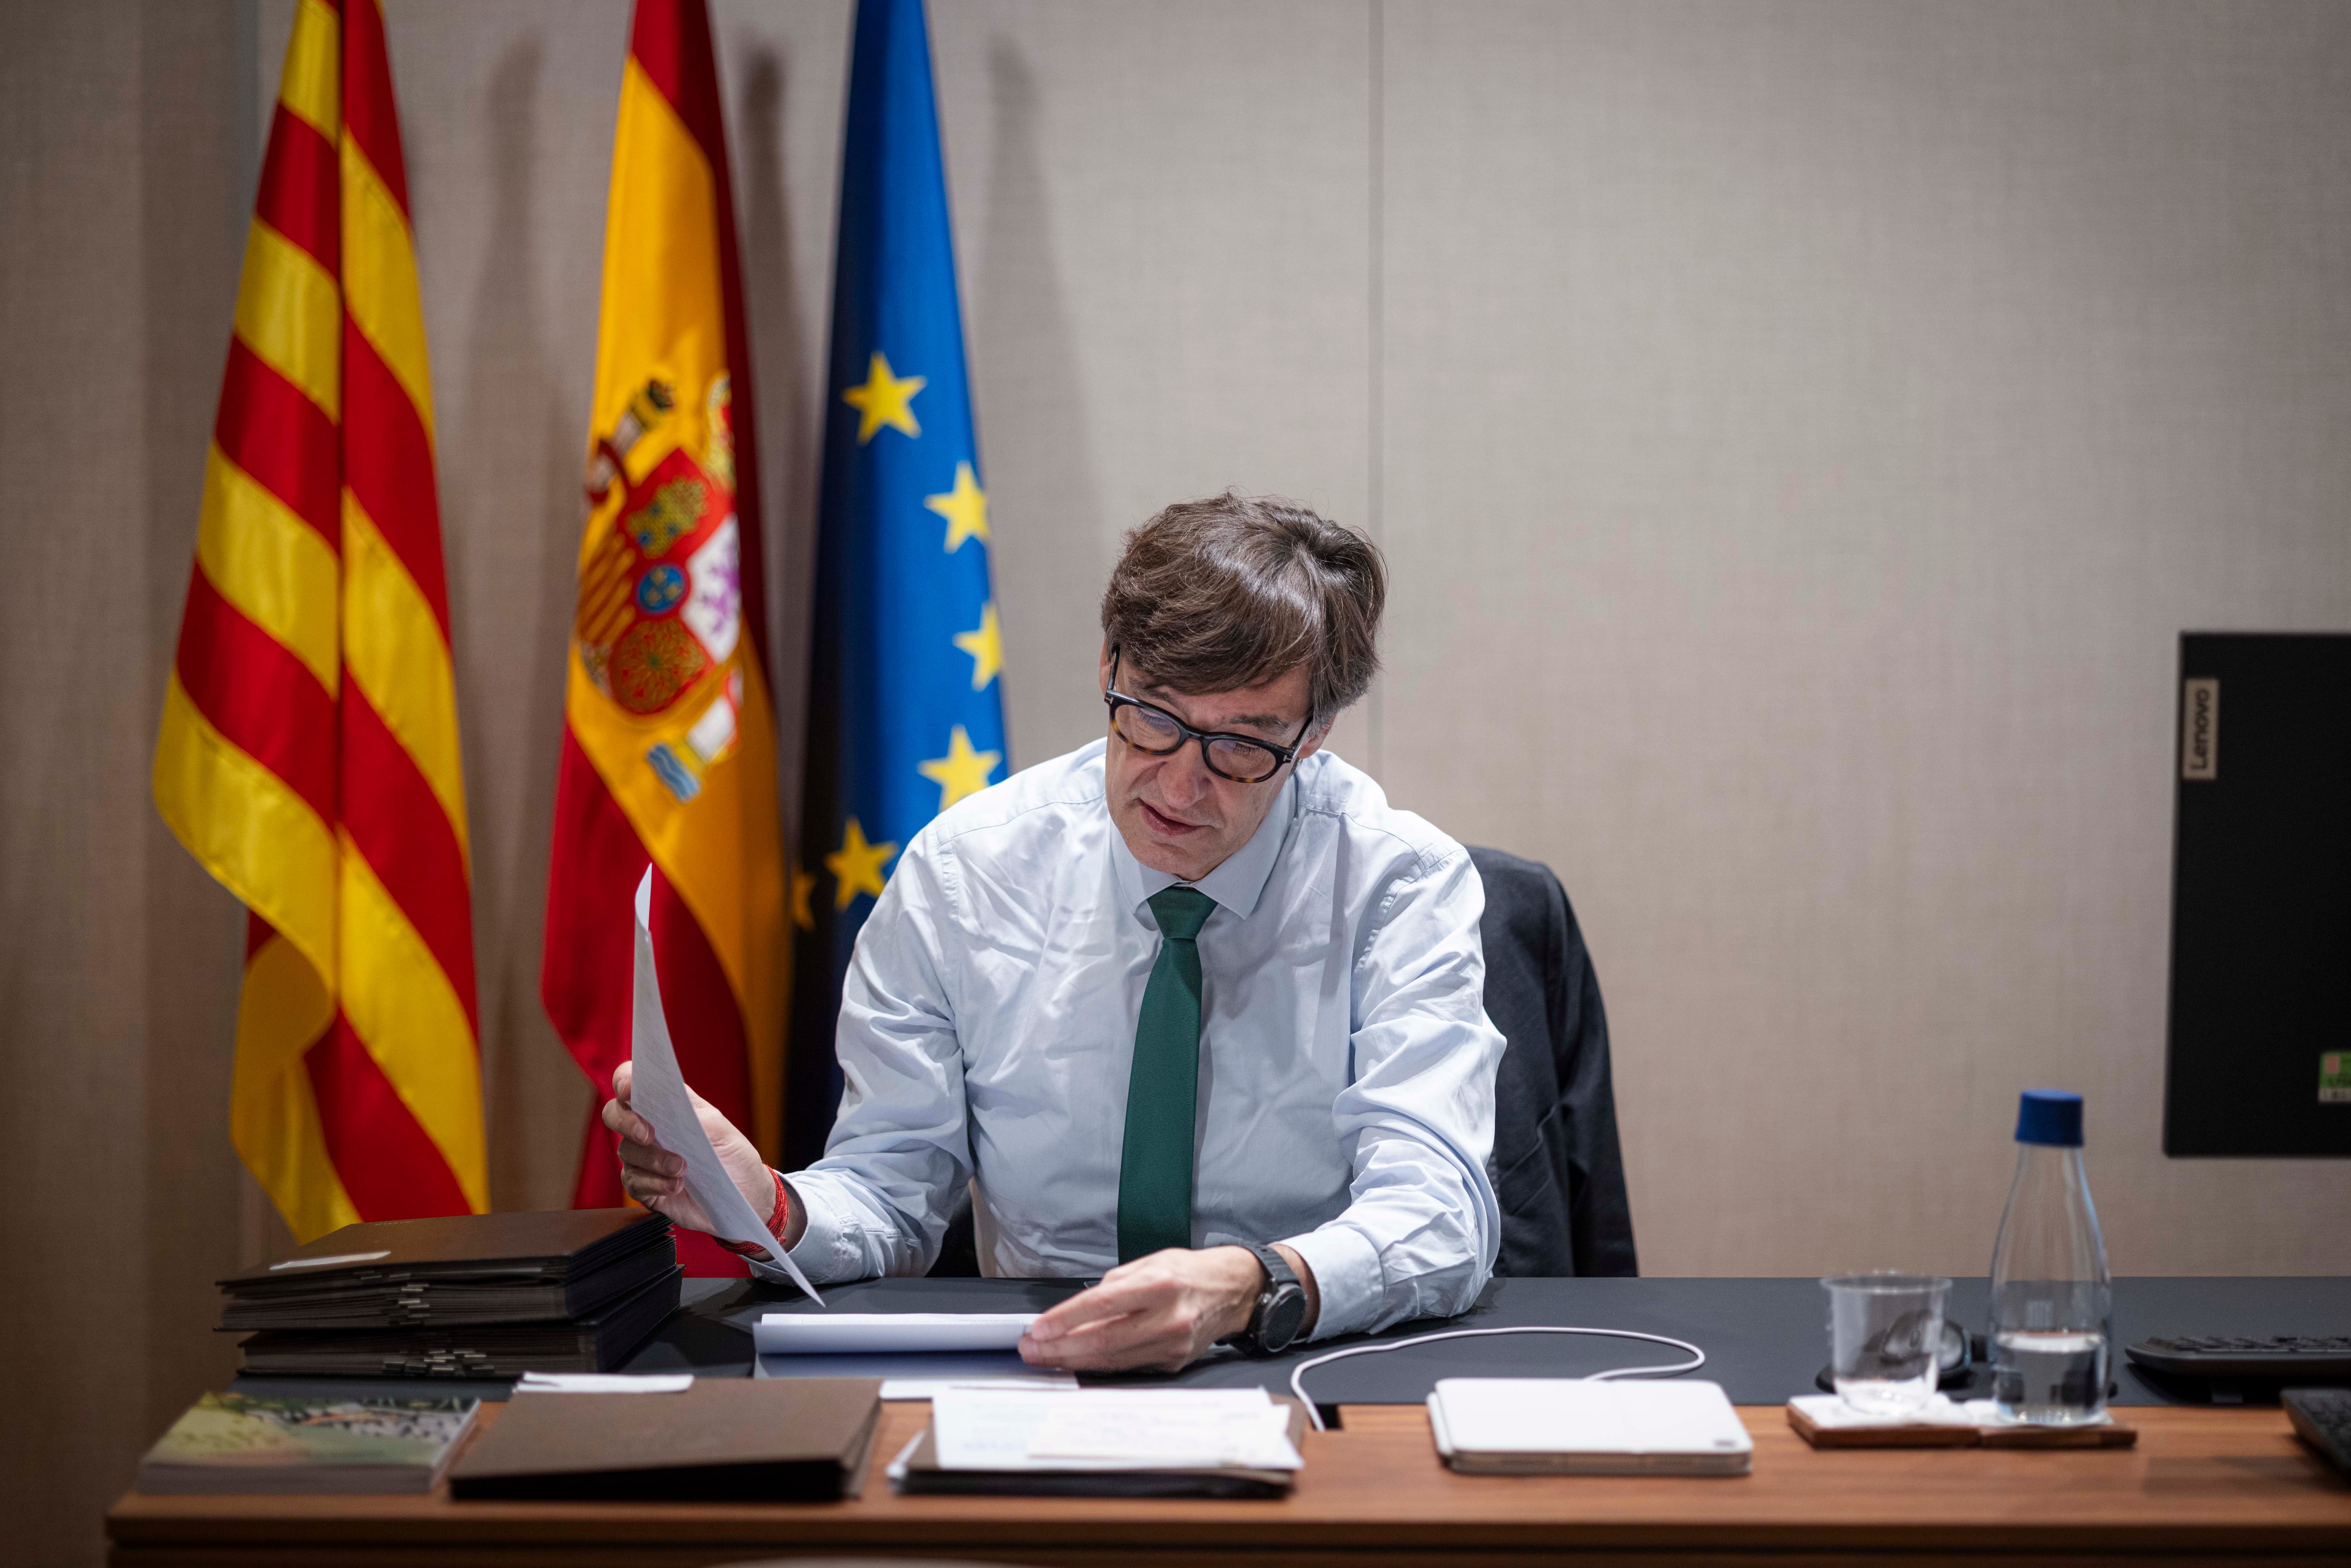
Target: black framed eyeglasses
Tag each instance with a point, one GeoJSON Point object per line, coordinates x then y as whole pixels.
{"type": "Point", "coordinates": [1155, 732]}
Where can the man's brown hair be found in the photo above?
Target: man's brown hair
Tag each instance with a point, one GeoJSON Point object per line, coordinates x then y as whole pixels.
{"type": "Point", "coordinates": [1234, 590]}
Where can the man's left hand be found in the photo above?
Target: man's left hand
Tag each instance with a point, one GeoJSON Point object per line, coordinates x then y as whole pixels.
{"type": "Point", "coordinates": [1159, 1312]}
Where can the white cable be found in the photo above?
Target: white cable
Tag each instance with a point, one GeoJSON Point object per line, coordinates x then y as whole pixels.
{"type": "Point", "coordinates": [1315, 1414]}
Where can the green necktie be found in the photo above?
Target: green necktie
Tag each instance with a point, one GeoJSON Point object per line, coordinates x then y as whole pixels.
{"type": "Point", "coordinates": [1154, 1172]}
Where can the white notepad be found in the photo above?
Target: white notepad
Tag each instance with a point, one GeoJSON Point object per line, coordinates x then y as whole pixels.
{"type": "Point", "coordinates": [1113, 1429]}
{"type": "Point", "coordinates": [1560, 1425]}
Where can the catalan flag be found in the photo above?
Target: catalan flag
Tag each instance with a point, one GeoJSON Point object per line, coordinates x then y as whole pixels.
{"type": "Point", "coordinates": [669, 751]}
{"type": "Point", "coordinates": [905, 708]}
{"type": "Point", "coordinates": [309, 751]}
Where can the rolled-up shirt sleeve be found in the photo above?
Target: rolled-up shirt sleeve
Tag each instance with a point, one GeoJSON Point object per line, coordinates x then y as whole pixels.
{"type": "Point", "coordinates": [1419, 1236]}
{"type": "Point", "coordinates": [878, 1202]}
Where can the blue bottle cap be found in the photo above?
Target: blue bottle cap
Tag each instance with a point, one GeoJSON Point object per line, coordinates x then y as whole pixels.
{"type": "Point", "coordinates": [2049, 1116]}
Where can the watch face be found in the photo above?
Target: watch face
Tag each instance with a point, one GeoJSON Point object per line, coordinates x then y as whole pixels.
{"type": "Point", "coordinates": [1284, 1315]}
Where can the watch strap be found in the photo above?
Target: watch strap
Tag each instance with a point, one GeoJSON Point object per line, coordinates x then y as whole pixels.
{"type": "Point", "coordinates": [1278, 1270]}
{"type": "Point", "coordinates": [1278, 1273]}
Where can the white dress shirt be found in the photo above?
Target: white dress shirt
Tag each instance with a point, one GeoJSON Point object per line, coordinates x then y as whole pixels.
{"type": "Point", "coordinates": [1346, 1094]}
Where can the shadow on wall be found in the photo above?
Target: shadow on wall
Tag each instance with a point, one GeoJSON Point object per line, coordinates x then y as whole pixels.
{"type": "Point", "coordinates": [1045, 504]}
{"type": "Point", "coordinates": [490, 462]}
{"type": "Point", "coordinates": [791, 435]}
{"type": "Point", "coordinates": [190, 244]}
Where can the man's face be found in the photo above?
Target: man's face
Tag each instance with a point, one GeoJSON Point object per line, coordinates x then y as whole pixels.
{"type": "Point", "coordinates": [1176, 815]}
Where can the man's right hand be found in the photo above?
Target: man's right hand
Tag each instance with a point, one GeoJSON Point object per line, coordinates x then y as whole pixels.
{"type": "Point", "coordinates": [656, 1177]}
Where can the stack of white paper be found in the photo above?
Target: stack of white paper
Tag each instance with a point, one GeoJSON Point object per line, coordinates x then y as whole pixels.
{"type": "Point", "coordinates": [1111, 1429]}
{"type": "Point", "coordinates": [886, 1334]}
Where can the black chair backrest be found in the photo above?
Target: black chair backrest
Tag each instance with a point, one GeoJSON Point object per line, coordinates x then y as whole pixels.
{"type": "Point", "coordinates": [958, 1256]}
{"type": "Point", "coordinates": [1557, 1169]}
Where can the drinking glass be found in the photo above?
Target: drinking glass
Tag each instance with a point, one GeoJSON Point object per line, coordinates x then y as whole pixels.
{"type": "Point", "coordinates": [1885, 1331]}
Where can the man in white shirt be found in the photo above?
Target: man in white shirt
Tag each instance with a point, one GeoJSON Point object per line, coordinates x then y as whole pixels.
{"type": "Point", "coordinates": [1193, 1008]}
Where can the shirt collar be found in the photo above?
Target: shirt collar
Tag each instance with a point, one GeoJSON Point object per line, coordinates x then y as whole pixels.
{"type": "Point", "coordinates": [1234, 885]}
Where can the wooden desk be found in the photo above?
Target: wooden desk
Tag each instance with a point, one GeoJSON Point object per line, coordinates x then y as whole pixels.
{"type": "Point", "coordinates": [2202, 1485]}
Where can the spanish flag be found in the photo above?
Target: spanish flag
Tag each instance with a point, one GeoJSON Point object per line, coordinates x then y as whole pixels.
{"type": "Point", "coordinates": [669, 752]}
{"type": "Point", "coordinates": [309, 751]}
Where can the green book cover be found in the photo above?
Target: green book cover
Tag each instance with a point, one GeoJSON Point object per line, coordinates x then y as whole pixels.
{"type": "Point", "coordinates": [250, 1436]}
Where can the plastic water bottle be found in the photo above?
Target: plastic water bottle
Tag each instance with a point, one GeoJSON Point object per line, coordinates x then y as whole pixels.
{"type": "Point", "coordinates": [2051, 1298]}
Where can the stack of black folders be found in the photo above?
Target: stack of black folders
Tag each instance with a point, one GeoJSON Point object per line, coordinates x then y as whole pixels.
{"type": "Point", "coordinates": [477, 1295]}
{"type": "Point", "coordinates": [803, 1439]}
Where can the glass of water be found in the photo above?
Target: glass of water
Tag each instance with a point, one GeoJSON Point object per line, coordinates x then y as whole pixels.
{"type": "Point", "coordinates": [1885, 1333]}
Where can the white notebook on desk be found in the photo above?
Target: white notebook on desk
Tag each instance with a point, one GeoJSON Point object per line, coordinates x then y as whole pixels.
{"type": "Point", "coordinates": [1574, 1426]}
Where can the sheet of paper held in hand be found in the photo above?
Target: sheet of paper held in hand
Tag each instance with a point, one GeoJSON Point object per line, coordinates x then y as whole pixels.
{"type": "Point", "coordinates": [657, 1093]}
{"type": "Point", "coordinates": [1111, 1429]}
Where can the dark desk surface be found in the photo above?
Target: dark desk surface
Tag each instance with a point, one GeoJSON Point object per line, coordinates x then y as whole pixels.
{"type": "Point", "coordinates": [1765, 1339]}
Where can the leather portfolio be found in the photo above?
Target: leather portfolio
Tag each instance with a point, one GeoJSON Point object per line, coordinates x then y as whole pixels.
{"type": "Point", "coordinates": [720, 1440]}
{"type": "Point", "coordinates": [599, 1341]}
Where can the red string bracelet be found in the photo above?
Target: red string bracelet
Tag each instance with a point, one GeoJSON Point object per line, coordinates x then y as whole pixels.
{"type": "Point", "coordinates": [778, 1222]}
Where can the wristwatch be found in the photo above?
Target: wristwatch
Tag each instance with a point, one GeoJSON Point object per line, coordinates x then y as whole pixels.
{"type": "Point", "coordinates": [1280, 1310]}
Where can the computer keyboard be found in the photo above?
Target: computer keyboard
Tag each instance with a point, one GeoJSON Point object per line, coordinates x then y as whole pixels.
{"type": "Point", "coordinates": [2258, 1358]}
{"type": "Point", "coordinates": [2322, 1416]}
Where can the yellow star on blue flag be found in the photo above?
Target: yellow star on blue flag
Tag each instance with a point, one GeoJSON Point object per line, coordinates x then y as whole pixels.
{"type": "Point", "coordinates": [965, 508]}
{"type": "Point", "coordinates": [962, 771]}
{"type": "Point", "coordinates": [884, 399]}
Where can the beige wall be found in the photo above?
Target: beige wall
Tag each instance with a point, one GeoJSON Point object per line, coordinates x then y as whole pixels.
{"type": "Point", "coordinates": [1799, 429]}
{"type": "Point", "coordinates": [118, 982]}
{"type": "Point", "coordinates": [1808, 427]}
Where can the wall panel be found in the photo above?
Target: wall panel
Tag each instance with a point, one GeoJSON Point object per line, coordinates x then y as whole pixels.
{"type": "Point", "coordinates": [118, 982]}
{"type": "Point", "coordinates": [1808, 427]}
{"type": "Point", "coordinates": [1161, 220]}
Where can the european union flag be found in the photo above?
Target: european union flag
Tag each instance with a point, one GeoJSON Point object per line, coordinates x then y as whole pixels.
{"type": "Point", "coordinates": [905, 714]}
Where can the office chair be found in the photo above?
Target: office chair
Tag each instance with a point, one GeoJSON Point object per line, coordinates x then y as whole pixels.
{"type": "Point", "coordinates": [1556, 1168]}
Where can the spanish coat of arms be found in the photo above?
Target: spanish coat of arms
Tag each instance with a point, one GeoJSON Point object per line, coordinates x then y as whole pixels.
{"type": "Point", "coordinates": [661, 594]}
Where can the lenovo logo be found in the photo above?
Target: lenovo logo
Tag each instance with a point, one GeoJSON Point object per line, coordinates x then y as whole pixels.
{"type": "Point", "coordinates": [2200, 728]}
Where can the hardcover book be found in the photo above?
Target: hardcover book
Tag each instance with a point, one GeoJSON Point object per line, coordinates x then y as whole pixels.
{"type": "Point", "coordinates": [246, 1443]}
